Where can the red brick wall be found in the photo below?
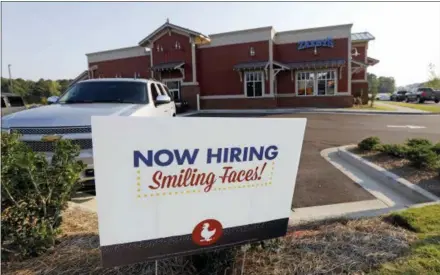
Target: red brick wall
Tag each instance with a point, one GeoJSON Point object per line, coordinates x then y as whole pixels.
{"type": "Point", "coordinates": [287, 53]}
{"type": "Point", "coordinates": [316, 101]}
{"type": "Point", "coordinates": [356, 89]}
{"type": "Point", "coordinates": [170, 54]}
{"type": "Point", "coordinates": [359, 75]}
{"type": "Point", "coordinates": [239, 103]}
{"type": "Point", "coordinates": [215, 72]}
{"type": "Point", "coordinates": [361, 48]}
{"type": "Point", "coordinates": [126, 67]}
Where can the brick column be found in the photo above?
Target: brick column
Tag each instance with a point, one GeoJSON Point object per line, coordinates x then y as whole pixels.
{"type": "Point", "coordinates": [189, 94]}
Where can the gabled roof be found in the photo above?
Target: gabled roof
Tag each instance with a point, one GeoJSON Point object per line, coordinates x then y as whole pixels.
{"type": "Point", "coordinates": [168, 25]}
{"type": "Point", "coordinates": [361, 36]}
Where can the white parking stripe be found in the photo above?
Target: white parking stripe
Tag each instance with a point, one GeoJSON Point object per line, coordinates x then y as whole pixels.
{"type": "Point", "coordinates": [406, 126]}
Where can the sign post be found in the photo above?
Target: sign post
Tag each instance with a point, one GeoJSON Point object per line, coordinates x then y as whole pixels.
{"type": "Point", "coordinates": [170, 187]}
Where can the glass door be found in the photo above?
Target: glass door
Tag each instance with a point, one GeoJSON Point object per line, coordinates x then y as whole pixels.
{"type": "Point", "coordinates": [174, 88]}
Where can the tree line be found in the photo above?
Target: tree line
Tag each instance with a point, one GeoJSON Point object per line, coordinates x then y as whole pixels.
{"type": "Point", "coordinates": [34, 91]}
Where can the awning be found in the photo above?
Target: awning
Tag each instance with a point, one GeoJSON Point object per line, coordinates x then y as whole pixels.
{"type": "Point", "coordinates": [371, 61]}
{"type": "Point", "coordinates": [318, 64]}
{"type": "Point", "coordinates": [168, 66]}
{"type": "Point", "coordinates": [259, 65]}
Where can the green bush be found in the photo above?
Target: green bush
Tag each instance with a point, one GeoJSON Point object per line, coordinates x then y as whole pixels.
{"type": "Point", "coordinates": [34, 192]}
{"type": "Point", "coordinates": [370, 143]}
{"type": "Point", "coordinates": [423, 157]}
{"type": "Point", "coordinates": [394, 150]}
{"type": "Point", "coordinates": [436, 148]}
{"type": "Point", "coordinates": [416, 142]}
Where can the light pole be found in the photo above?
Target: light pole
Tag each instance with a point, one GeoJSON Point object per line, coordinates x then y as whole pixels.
{"type": "Point", "coordinates": [10, 78]}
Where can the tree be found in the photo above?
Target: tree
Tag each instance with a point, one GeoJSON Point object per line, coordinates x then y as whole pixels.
{"type": "Point", "coordinates": [371, 78]}
{"type": "Point", "coordinates": [374, 88]}
{"type": "Point", "coordinates": [433, 78]}
{"type": "Point", "coordinates": [386, 84]}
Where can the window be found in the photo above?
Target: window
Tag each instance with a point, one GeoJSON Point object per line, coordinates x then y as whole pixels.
{"type": "Point", "coordinates": [305, 83]}
{"type": "Point", "coordinates": [174, 89]}
{"type": "Point", "coordinates": [316, 83]}
{"type": "Point", "coordinates": [154, 91]}
{"type": "Point", "coordinates": [15, 101]}
{"type": "Point", "coordinates": [3, 103]}
{"type": "Point", "coordinates": [106, 92]}
{"type": "Point", "coordinates": [254, 84]}
{"type": "Point", "coordinates": [326, 82]}
{"type": "Point", "coordinates": [166, 92]}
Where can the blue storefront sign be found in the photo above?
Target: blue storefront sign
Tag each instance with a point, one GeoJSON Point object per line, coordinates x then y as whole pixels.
{"type": "Point", "coordinates": [328, 42]}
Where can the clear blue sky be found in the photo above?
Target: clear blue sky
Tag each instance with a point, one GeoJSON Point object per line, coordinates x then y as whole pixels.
{"type": "Point", "coordinates": [49, 40]}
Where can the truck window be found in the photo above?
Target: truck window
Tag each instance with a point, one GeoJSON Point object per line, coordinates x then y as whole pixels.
{"type": "Point", "coordinates": [3, 103]}
{"type": "Point", "coordinates": [154, 91]}
{"type": "Point", "coordinates": [166, 92]}
{"type": "Point", "coordinates": [15, 101]}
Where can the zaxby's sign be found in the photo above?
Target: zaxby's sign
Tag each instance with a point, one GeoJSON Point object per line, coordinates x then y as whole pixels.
{"type": "Point", "coordinates": [328, 42]}
{"type": "Point", "coordinates": [174, 186]}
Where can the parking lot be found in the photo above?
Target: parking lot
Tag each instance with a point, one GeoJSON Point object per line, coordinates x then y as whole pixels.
{"type": "Point", "coordinates": [318, 182]}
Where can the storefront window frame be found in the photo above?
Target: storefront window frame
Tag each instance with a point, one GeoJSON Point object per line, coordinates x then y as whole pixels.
{"type": "Point", "coordinates": [315, 81]}
{"type": "Point", "coordinates": [245, 81]}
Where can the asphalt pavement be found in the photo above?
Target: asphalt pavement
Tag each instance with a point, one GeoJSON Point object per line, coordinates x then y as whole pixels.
{"type": "Point", "coordinates": [318, 182]}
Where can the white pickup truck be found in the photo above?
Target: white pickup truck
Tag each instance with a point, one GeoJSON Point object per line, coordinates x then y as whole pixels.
{"type": "Point", "coordinates": [69, 116]}
{"type": "Point", "coordinates": [12, 103]}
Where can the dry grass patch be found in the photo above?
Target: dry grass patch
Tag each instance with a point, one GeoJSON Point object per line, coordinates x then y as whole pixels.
{"type": "Point", "coordinates": [351, 247]}
{"type": "Point", "coordinates": [337, 246]}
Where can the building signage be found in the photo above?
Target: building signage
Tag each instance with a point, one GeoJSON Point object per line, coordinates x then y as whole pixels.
{"type": "Point", "coordinates": [178, 186]}
{"type": "Point", "coordinates": [328, 42]}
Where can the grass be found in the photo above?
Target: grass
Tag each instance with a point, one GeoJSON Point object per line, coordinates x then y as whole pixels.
{"type": "Point", "coordinates": [434, 108]}
{"type": "Point", "coordinates": [377, 108]}
{"type": "Point", "coordinates": [424, 257]}
{"type": "Point", "coordinates": [338, 246]}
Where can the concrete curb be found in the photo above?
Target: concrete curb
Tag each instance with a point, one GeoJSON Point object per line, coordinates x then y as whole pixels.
{"type": "Point", "coordinates": [399, 184]}
{"type": "Point", "coordinates": [306, 111]}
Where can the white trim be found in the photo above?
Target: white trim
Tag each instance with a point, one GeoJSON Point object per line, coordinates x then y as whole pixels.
{"type": "Point", "coordinates": [239, 37]}
{"type": "Point", "coordinates": [190, 83]}
{"type": "Point", "coordinates": [349, 58]}
{"type": "Point", "coordinates": [261, 80]}
{"type": "Point", "coordinates": [315, 82]}
{"type": "Point", "coordinates": [271, 73]}
{"type": "Point", "coordinates": [151, 64]}
{"type": "Point", "coordinates": [366, 61]}
{"type": "Point", "coordinates": [233, 97]}
{"type": "Point", "coordinates": [193, 60]}
{"type": "Point", "coordinates": [359, 81]}
{"type": "Point", "coordinates": [335, 32]}
{"type": "Point", "coordinates": [117, 54]}
{"type": "Point", "coordinates": [220, 97]}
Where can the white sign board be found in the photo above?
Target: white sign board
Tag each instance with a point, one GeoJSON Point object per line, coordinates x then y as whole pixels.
{"type": "Point", "coordinates": [174, 186]}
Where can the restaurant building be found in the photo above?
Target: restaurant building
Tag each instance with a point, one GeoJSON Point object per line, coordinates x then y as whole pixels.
{"type": "Point", "coordinates": [255, 68]}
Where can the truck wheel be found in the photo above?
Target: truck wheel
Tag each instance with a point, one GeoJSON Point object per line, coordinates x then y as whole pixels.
{"type": "Point", "coordinates": [420, 100]}
{"type": "Point", "coordinates": [436, 100]}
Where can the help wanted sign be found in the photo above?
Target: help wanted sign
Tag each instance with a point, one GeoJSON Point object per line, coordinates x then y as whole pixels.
{"type": "Point", "coordinates": [173, 186]}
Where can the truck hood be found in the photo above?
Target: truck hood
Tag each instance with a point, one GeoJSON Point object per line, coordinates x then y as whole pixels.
{"type": "Point", "coordinates": [58, 115]}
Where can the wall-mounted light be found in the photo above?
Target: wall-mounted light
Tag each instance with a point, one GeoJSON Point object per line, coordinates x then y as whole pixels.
{"type": "Point", "coordinates": [158, 48]}
{"type": "Point", "coordinates": [177, 45]}
{"type": "Point", "coordinates": [161, 48]}
{"type": "Point", "coordinates": [252, 51]}
{"type": "Point", "coordinates": [315, 51]}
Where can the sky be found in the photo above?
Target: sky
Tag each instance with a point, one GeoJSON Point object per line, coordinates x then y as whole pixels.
{"type": "Point", "coordinates": [50, 39]}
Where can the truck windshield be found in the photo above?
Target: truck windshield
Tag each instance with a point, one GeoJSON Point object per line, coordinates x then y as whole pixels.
{"type": "Point", "coordinates": [106, 92]}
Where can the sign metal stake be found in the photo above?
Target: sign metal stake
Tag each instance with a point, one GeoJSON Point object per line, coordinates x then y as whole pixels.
{"type": "Point", "coordinates": [242, 263]}
{"type": "Point", "coordinates": [156, 269]}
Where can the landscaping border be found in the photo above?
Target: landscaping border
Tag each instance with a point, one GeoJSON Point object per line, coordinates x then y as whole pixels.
{"type": "Point", "coordinates": [400, 184]}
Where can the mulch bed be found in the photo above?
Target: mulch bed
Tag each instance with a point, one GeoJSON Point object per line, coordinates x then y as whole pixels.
{"type": "Point", "coordinates": [328, 247]}
{"type": "Point", "coordinates": [426, 179]}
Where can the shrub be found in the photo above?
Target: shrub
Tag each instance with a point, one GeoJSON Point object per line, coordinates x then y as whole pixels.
{"type": "Point", "coordinates": [416, 142]}
{"type": "Point", "coordinates": [394, 150]}
{"type": "Point", "coordinates": [34, 192]}
{"type": "Point", "coordinates": [423, 157]}
{"type": "Point", "coordinates": [43, 101]}
{"type": "Point", "coordinates": [436, 148]}
{"type": "Point", "coordinates": [370, 143]}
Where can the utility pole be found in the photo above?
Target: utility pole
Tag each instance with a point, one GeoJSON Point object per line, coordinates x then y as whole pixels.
{"type": "Point", "coordinates": [10, 78]}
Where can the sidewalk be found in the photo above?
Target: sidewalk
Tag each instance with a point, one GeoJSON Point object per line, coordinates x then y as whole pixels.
{"type": "Point", "coordinates": [399, 108]}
